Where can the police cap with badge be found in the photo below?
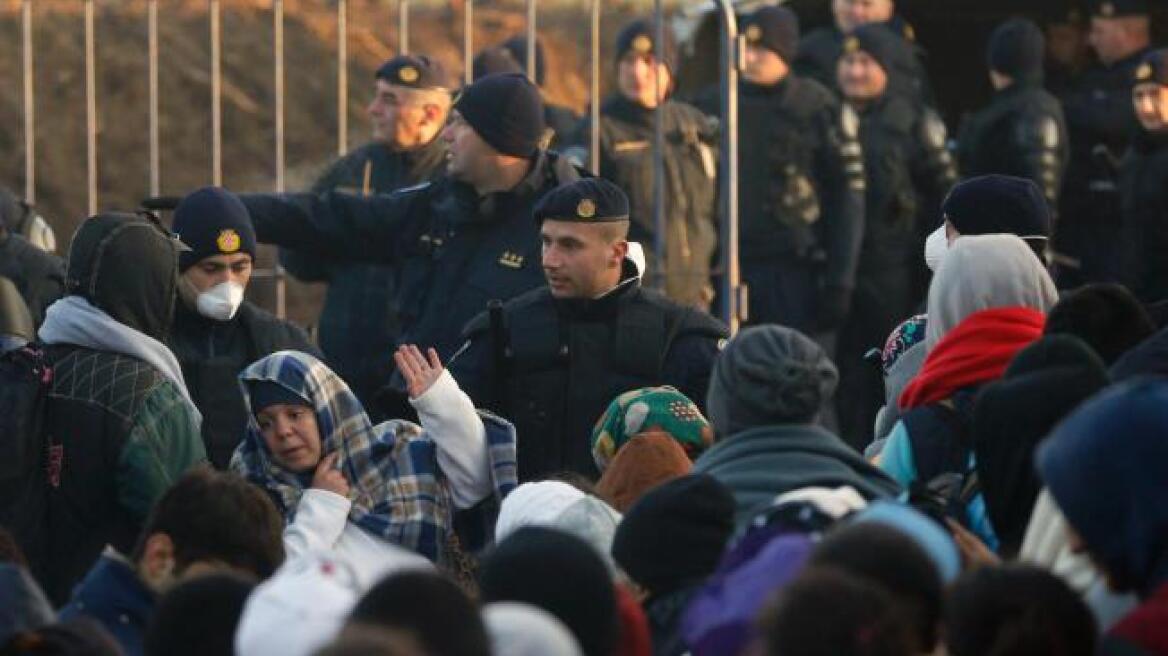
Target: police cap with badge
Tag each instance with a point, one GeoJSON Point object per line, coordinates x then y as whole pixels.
{"type": "Point", "coordinates": [588, 200]}
{"type": "Point", "coordinates": [415, 72]}
{"type": "Point", "coordinates": [1118, 8]}
{"type": "Point", "coordinates": [1154, 68]}
{"type": "Point", "coordinates": [774, 28]}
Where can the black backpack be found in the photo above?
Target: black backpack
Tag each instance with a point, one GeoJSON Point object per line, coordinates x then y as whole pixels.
{"type": "Point", "coordinates": [26, 377]}
{"type": "Point", "coordinates": [946, 481]}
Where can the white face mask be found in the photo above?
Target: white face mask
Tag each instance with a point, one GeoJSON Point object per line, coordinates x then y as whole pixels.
{"type": "Point", "coordinates": [221, 302]}
{"type": "Point", "coordinates": [936, 246]}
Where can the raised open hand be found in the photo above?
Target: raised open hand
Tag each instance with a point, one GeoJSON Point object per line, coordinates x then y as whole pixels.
{"type": "Point", "coordinates": [328, 477]}
{"type": "Point", "coordinates": [420, 372]}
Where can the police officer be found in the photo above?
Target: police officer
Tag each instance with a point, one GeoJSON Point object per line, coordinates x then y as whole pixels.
{"type": "Point", "coordinates": [552, 359]}
{"type": "Point", "coordinates": [1100, 121]}
{"type": "Point", "coordinates": [909, 171]}
{"type": "Point", "coordinates": [455, 243]}
{"type": "Point", "coordinates": [801, 183]}
{"type": "Point", "coordinates": [511, 57]}
{"type": "Point", "coordinates": [38, 275]}
{"type": "Point", "coordinates": [409, 108]}
{"type": "Point", "coordinates": [645, 80]}
{"type": "Point", "coordinates": [216, 333]}
{"type": "Point", "coordinates": [1022, 132]}
{"type": "Point", "coordinates": [1144, 185]}
{"type": "Point", "coordinates": [821, 48]}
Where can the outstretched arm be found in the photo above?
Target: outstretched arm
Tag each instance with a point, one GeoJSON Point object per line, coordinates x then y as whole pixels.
{"type": "Point", "coordinates": [450, 420]}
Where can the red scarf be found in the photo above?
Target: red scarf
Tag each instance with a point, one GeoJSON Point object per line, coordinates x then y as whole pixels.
{"type": "Point", "coordinates": [976, 351]}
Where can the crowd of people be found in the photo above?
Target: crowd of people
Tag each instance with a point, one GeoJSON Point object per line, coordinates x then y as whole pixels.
{"type": "Point", "coordinates": [516, 429]}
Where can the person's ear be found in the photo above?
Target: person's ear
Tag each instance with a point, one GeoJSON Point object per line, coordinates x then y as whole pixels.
{"type": "Point", "coordinates": [157, 563]}
{"type": "Point", "coordinates": [620, 249]}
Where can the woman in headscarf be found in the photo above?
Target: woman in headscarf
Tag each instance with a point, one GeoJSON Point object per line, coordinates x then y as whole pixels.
{"type": "Point", "coordinates": [364, 491]}
{"type": "Point", "coordinates": [988, 301]}
{"type": "Point", "coordinates": [646, 437]}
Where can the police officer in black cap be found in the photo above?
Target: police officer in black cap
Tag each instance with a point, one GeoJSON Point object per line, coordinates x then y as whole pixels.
{"type": "Point", "coordinates": [216, 333]}
{"type": "Point", "coordinates": [1101, 122]}
{"type": "Point", "coordinates": [645, 81]}
{"type": "Point", "coordinates": [1022, 132]}
{"type": "Point", "coordinates": [1144, 185]}
{"type": "Point", "coordinates": [801, 183]}
{"type": "Point", "coordinates": [511, 57]}
{"type": "Point", "coordinates": [455, 243]}
{"type": "Point", "coordinates": [552, 359]}
{"type": "Point", "coordinates": [909, 172]}
{"type": "Point", "coordinates": [820, 50]}
{"type": "Point", "coordinates": [411, 100]}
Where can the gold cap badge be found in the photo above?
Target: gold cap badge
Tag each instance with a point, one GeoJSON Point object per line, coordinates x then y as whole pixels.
{"type": "Point", "coordinates": [408, 74]}
{"type": "Point", "coordinates": [1144, 72]}
{"type": "Point", "coordinates": [851, 44]}
{"type": "Point", "coordinates": [586, 209]}
{"type": "Point", "coordinates": [1107, 10]}
{"type": "Point", "coordinates": [754, 34]}
{"type": "Point", "coordinates": [228, 241]}
{"type": "Point", "coordinates": [643, 44]}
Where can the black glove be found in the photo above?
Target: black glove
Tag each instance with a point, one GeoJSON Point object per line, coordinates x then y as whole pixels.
{"type": "Point", "coordinates": [834, 302]}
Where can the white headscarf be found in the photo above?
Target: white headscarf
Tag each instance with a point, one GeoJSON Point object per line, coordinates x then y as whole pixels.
{"type": "Point", "coordinates": [518, 629]}
{"type": "Point", "coordinates": [981, 272]}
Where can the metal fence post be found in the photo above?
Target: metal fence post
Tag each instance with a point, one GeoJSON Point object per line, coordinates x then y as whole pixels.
{"type": "Point", "coordinates": [403, 26]}
{"type": "Point", "coordinates": [594, 92]}
{"type": "Point", "coordinates": [659, 228]}
{"type": "Point", "coordinates": [90, 107]}
{"type": "Point", "coordinates": [152, 83]}
{"type": "Point", "coordinates": [29, 106]}
{"type": "Point", "coordinates": [734, 295]}
{"type": "Point", "coordinates": [531, 33]}
{"type": "Point", "coordinates": [216, 97]}
{"type": "Point", "coordinates": [468, 41]}
{"type": "Point", "coordinates": [342, 77]}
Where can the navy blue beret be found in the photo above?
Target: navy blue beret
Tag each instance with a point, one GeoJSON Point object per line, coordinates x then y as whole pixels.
{"type": "Point", "coordinates": [589, 200]}
{"type": "Point", "coordinates": [414, 71]}
{"type": "Point", "coordinates": [1154, 68]}
{"type": "Point", "coordinates": [1119, 8]}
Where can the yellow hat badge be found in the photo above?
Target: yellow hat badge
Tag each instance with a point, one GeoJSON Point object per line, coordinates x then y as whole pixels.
{"type": "Point", "coordinates": [643, 44]}
{"type": "Point", "coordinates": [586, 209]}
{"type": "Point", "coordinates": [408, 74]}
{"type": "Point", "coordinates": [228, 241]}
{"type": "Point", "coordinates": [851, 44]}
{"type": "Point", "coordinates": [754, 34]}
{"type": "Point", "coordinates": [1144, 72]}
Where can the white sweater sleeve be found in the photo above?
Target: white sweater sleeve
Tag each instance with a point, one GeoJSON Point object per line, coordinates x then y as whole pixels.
{"type": "Point", "coordinates": [320, 520]}
{"type": "Point", "coordinates": [449, 418]}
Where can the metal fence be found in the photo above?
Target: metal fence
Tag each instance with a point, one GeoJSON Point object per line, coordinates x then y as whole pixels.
{"type": "Point", "coordinates": [732, 294]}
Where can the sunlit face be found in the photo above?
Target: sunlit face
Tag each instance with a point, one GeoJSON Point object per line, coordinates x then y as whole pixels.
{"type": "Point", "coordinates": [861, 77]}
{"type": "Point", "coordinates": [291, 434]}
{"type": "Point", "coordinates": [850, 14]}
{"type": "Point", "coordinates": [398, 115]}
{"type": "Point", "coordinates": [643, 79]}
{"type": "Point", "coordinates": [468, 156]}
{"type": "Point", "coordinates": [581, 260]}
{"type": "Point", "coordinates": [764, 66]}
{"type": "Point", "coordinates": [217, 269]}
{"type": "Point", "coordinates": [1151, 103]}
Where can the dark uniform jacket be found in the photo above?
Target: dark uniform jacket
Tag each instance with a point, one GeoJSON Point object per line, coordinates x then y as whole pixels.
{"type": "Point", "coordinates": [451, 250]}
{"type": "Point", "coordinates": [557, 364]}
{"type": "Point", "coordinates": [39, 276]}
{"type": "Point", "coordinates": [561, 123]}
{"type": "Point", "coordinates": [359, 294]}
{"type": "Point", "coordinates": [820, 50]}
{"type": "Point", "coordinates": [212, 353]}
{"type": "Point", "coordinates": [626, 158]}
{"type": "Point", "coordinates": [1021, 133]}
{"type": "Point", "coordinates": [1100, 123]}
{"type": "Point", "coordinates": [1144, 191]}
{"type": "Point", "coordinates": [909, 172]}
{"type": "Point", "coordinates": [801, 177]}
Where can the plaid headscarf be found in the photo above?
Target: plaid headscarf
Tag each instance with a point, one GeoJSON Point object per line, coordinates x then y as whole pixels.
{"type": "Point", "coordinates": [398, 491]}
{"type": "Point", "coordinates": [650, 409]}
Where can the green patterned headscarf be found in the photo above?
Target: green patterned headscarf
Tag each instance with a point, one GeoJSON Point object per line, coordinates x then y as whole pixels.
{"type": "Point", "coordinates": [650, 409]}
